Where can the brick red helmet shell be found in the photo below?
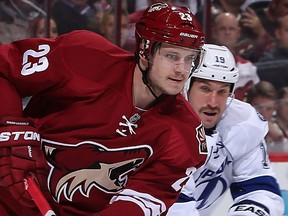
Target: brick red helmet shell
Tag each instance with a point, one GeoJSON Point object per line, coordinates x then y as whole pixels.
{"type": "Point", "coordinates": [161, 22]}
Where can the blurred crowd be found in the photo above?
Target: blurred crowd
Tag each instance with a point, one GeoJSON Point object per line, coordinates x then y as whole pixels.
{"type": "Point", "coordinates": [256, 32]}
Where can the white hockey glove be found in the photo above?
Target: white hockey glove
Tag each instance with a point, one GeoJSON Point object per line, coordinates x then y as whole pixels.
{"type": "Point", "coordinates": [248, 208]}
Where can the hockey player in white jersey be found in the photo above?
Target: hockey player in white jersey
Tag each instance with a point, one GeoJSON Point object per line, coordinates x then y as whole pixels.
{"type": "Point", "coordinates": [237, 156]}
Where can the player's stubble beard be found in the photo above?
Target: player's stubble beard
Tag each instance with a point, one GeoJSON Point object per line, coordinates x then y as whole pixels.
{"type": "Point", "coordinates": [159, 87]}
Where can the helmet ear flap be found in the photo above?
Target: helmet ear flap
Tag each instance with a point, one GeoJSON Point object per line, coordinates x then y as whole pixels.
{"type": "Point", "coordinates": [142, 55]}
{"type": "Point", "coordinates": [143, 48]}
{"type": "Point", "coordinates": [141, 52]}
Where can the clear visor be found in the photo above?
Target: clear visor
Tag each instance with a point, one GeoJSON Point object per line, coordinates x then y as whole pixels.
{"type": "Point", "coordinates": [189, 58]}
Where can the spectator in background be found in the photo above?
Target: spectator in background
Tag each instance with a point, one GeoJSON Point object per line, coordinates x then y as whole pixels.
{"type": "Point", "coordinates": [192, 5]}
{"type": "Point", "coordinates": [99, 6]}
{"type": "Point", "coordinates": [217, 7]}
{"type": "Point", "coordinates": [72, 15]}
{"type": "Point", "coordinates": [108, 29]}
{"type": "Point", "coordinates": [263, 96]}
{"type": "Point", "coordinates": [281, 118]}
{"type": "Point", "coordinates": [38, 28]}
{"type": "Point", "coordinates": [273, 65]}
{"type": "Point", "coordinates": [220, 6]}
{"type": "Point", "coordinates": [15, 18]}
{"type": "Point", "coordinates": [255, 3]}
{"type": "Point", "coordinates": [227, 32]}
{"type": "Point", "coordinates": [259, 26]}
{"type": "Point", "coordinates": [282, 110]}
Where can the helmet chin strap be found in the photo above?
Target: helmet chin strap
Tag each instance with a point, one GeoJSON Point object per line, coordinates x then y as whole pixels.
{"type": "Point", "coordinates": [145, 71]}
{"type": "Point", "coordinates": [145, 79]}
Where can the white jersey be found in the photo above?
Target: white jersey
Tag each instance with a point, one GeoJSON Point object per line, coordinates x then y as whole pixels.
{"type": "Point", "coordinates": [237, 159]}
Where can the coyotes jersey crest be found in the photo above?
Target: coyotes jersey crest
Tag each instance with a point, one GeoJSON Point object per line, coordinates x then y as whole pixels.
{"type": "Point", "coordinates": [105, 169]}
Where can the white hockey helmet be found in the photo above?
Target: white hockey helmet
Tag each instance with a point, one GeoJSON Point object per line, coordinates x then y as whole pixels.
{"type": "Point", "coordinates": [218, 64]}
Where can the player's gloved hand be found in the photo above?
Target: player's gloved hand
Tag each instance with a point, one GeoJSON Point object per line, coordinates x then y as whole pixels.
{"type": "Point", "coordinates": [21, 155]}
{"type": "Point", "coordinates": [248, 208]}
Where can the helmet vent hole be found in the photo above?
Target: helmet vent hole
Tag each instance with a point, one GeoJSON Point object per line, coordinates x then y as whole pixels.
{"type": "Point", "coordinates": [224, 77]}
{"type": "Point", "coordinates": [213, 76]}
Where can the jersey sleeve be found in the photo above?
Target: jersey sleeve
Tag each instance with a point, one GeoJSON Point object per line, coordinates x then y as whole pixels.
{"type": "Point", "coordinates": [253, 177]}
{"type": "Point", "coordinates": [38, 65]}
{"type": "Point", "coordinates": [252, 182]}
{"type": "Point", "coordinates": [29, 67]}
{"type": "Point", "coordinates": [186, 203]}
{"type": "Point", "coordinates": [151, 191]}
{"type": "Point", "coordinates": [255, 181]}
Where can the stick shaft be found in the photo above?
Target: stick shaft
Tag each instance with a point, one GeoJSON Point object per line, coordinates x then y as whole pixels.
{"type": "Point", "coordinates": [39, 198]}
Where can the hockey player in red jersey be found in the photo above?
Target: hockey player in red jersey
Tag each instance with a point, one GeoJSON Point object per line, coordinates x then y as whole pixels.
{"type": "Point", "coordinates": [117, 136]}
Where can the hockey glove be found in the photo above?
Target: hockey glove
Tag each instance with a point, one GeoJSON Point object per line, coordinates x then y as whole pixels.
{"type": "Point", "coordinates": [20, 155]}
{"type": "Point", "coordinates": [248, 208]}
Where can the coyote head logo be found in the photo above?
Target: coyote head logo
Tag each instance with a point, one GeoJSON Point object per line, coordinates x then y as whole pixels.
{"type": "Point", "coordinates": [82, 166]}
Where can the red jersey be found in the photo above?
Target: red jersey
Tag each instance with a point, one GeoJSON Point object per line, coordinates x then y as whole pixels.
{"type": "Point", "coordinates": [104, 154]}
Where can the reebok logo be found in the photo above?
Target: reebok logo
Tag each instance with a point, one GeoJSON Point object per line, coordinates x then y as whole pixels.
{"type": "Point", "coordinates": [30, 151]}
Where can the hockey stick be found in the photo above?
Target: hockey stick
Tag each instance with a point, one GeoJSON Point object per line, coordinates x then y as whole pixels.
{"type": "Point", "coordinates": [38, 197]}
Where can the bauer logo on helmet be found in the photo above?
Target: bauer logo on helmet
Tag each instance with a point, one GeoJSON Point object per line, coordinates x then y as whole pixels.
{"type": "Point", "coordinates": [188, 35]}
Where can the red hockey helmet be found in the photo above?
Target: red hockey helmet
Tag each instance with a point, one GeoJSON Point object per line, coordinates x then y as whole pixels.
{"type": "Point", "coordinates": [161, 22]}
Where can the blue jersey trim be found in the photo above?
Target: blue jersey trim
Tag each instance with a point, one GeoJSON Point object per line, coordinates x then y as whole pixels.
{"type": "Point", "coordinates": [184, 198]}
{"type": "Point", "coordinates": [266, 183]}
